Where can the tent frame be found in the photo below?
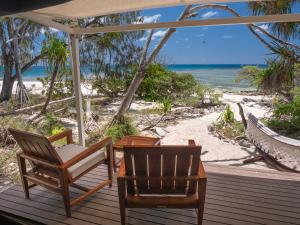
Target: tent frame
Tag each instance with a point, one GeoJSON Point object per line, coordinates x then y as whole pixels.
{"type": "Point", "coordinates": [76, 32]}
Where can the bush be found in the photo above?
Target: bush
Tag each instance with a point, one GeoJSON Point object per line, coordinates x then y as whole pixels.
{"type": "Point", "coordinates": [51, 125]}
{"type": "Point", "coordinates": [121, 129]}
{"type": "Point", "coordinates": [286, 118]}
{"type": "Point", "coordinates": [160, 83]}
{"type": "Point", "coordinates": [228, 126]}
{"type": "Point", "coordinates": [15, 122]}
{"type": "Point", "coordinates": [110, 86]}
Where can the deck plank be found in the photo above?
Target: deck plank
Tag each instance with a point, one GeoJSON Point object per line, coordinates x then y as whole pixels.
{"type": "Point", "coordinates": [234, 196]}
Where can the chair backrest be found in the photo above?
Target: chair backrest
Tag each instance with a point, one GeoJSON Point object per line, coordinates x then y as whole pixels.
{"type": "Point", "coordinates": [35, 145]}
{"type": "Point", "coordinates": [161, 169]}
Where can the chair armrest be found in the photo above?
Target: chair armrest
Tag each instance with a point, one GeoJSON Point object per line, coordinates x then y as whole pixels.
{"type": "Point", "coordinates": [66, 133]}
{"type": "Point", "coordinates": [201, 171]}
{"type": "Point", "coordinates": [90, 150]}
{"type": "Point", "coordinates": [121, 173]}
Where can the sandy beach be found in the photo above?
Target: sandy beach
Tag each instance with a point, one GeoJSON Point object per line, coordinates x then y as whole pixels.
{"type": "Point", "coordinates": [215, 150]}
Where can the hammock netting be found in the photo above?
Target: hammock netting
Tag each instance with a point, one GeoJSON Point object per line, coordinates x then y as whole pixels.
{"type": "Point", "coordinates": [285, 151]}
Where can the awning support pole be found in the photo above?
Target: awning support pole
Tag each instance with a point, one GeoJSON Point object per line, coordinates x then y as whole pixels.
{"type": "Point", "coordinates": [77, 86]}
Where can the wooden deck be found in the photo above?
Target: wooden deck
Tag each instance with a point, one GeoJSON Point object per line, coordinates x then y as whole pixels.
{"type": "Point", "coordinates": [234, 196]}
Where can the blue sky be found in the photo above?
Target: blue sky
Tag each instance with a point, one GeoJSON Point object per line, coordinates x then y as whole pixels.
{"type": "Point", "coordinates": [210, 45]}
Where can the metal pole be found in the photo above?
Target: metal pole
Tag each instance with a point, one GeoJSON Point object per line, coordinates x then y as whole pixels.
{"type": "Point", "coordinates": [77, 86]}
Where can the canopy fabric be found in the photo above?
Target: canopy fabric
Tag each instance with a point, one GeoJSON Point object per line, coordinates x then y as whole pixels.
{"type": "Point", "coordinates": [89, 8]}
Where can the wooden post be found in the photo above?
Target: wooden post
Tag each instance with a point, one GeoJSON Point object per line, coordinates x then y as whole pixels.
{"type": "Point", "coordinates": [77, 86]}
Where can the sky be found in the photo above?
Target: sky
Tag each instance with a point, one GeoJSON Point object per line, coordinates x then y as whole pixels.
{"type": "Point", "coordinates": [209, 45]}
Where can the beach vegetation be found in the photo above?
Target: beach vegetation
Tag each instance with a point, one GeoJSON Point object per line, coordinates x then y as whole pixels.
{"type": "Point", "coordinates": [51, 124]}
{"type": "Point", "coordinates": [111, 86]}
{"type": "Point", "coordinates": [227, 126]}
{"type": "Point", "coordinates": [121, 129]}
{"type": "Point", "coordinates": [286, 118]}
{"type": "Point", "coordinates": [160, 83]}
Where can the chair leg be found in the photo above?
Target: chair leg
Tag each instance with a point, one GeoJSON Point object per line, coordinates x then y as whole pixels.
{"type": "Point", "coordinates": [201, 200]}
{"type": "Point", "coordinates": [22, 168]}
{"type": "Point", "coordinates": [65, 192]}
{"type": "Point", "coordinates": [110, 164]}
{"type": "Point", "coordinates": [121, 190]}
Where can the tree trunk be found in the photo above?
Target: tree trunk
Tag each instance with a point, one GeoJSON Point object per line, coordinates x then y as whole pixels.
{"type": "Point", "coordinates": [144, 63]}
{"type": "Point", "coordinates": [242, 114]}
{"type": "Point", "coordinates": [7, 86]}
{"type": "Point", "coordinates": [135, 83]}
{"type": "Point", "coordinates": [50, 92]}
{"type": "Point", "coordinates": [51, 87]}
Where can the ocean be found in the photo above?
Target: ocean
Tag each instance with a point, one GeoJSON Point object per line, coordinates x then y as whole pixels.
{"type": "Point", "coordinates": [220, 76]}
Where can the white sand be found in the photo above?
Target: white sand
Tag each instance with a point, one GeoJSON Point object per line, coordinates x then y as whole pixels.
{"type": "Point", "coordinates": [36, 87]}
{"type": "Point", "coordinates": [215, 150]}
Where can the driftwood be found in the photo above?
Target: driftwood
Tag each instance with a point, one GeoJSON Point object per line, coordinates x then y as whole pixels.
{"type": "Point", "coordinates": [242, 114]}
{"type": "Point", "coordinates": [25, 109]}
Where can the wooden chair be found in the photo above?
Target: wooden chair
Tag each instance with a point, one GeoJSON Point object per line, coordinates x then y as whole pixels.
{"type": "Point", "coordinates": [162, 176]}
{"type": "Point", "coordinates": [58, 168]}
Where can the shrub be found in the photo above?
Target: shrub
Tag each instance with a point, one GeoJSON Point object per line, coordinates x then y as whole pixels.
{"type": "Point", "coordinates": [286, 118]}
{"type": "Point", "coordinates": [160, 83]}
{"type": "Point", "coordinates": [51, 125]}
{"type": "Point", "coordinates": [110, 86]}
{"type": "Point", "coordinates": [15, 122]}
{"type": "Point", "coordinates": [121, 129]}
{"type": "Point", "coordinates": [228, 126]}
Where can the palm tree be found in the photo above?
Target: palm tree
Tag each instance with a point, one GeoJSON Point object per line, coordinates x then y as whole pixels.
{"type": "Point", "coordinates": [282, 30]}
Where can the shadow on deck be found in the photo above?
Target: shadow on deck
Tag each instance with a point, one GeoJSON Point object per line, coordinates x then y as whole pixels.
{"type": "Point", "coordinates": [234, 196]}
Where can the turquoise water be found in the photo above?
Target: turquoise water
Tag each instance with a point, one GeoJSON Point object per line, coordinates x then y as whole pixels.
{"type": "Point", "coordinates": [214, 75]}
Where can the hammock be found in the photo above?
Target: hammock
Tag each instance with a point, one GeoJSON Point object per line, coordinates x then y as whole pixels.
{"type": "Point", "coordinates": [283, 150]}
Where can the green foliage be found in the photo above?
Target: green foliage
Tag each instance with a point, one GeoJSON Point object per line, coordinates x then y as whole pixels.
{"type": "Point", "coordinates": [56, 54]}
{"type": "Point", "coordinates": [166, 105]}
{"type": "Point", "coordinates": [111, 86]}
{"type": "Point", "coordinates": [280, 75]}
{"type": "Point", "coordinates": [52, 124]}
{"type": "Point", "coordinates": [228, 115]}
{"type": "Point", "coordinates": [228, 126]}
{"type": "Point", "coordinates": [286, 118]}
{"type": "Point", "coordinates": [160, 83]}
{"type": "Point", "coordinates": [121, 129]}
{"type": "Point", "coordinates": [111, 54]}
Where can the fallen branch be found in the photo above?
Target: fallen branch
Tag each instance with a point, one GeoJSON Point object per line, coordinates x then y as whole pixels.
{"type": "Point", "coordinates": [157, 122]}
{"type": "Point", "coordinates": [25, 109]}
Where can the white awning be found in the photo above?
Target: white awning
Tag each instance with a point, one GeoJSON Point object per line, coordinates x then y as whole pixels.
{"type": "Point", "coordinates": [89, 8]}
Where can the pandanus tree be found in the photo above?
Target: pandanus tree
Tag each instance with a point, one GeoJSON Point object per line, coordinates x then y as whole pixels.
{"type": "Point", "coordinates": [280, 75]}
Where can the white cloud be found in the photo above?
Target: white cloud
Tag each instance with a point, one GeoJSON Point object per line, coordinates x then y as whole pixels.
{"type": "Point", "coordinates": [227, 36]}
{"type": "Point", "coordinates": [209, 14]}
{"type": "Point", "coordinates": [157, 34]}
{"type": "Point", "coordinates": [263, 26]}
{"type": "Point", "coordinates": [149, 19]}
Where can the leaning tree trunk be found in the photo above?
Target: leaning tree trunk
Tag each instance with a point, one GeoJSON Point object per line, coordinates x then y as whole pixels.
{"type": "Point", "coordinates": [144, 63]}
{"type": "Point", "coordinates": [50, 92]}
